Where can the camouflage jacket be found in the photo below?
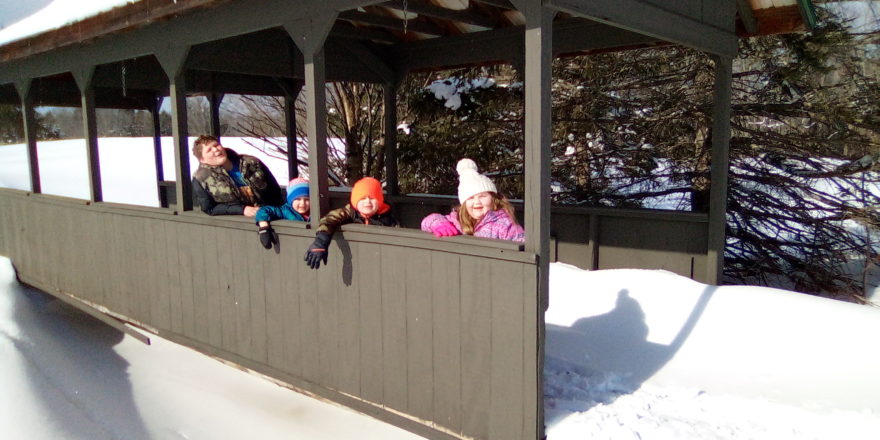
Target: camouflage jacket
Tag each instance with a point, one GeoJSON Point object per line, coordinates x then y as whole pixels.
{"type": "Point", "coordinates": [216, 193]}
{"type": "Point", "coordinates": [347, 214]}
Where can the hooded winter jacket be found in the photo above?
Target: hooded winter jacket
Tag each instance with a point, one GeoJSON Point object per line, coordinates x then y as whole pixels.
{"type": "Point", "coordinates": [495, 224]}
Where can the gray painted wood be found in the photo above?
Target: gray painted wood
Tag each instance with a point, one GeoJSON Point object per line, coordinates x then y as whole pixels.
{"type": "Point", "coordinates": [348, 309]}
{"type": "Point", "coordinates": [476, 345]}
{"type": "Point", "coordinates": [174, 244]}
{"type": "Point", "coordinates": [183, 194]}
{"type": "Point", "coordinates": [256, 257]}
{"type": "Point", "coordinates": [533, 333]}
{"type": "Point", "coordinates": [328, 320]}
{"type": "Point", "coordinates": [185, 264]}
{"type": "Point", "coordinates": [447, 329]}
{"type": "Point", "coordinates": [394, 327]}
{"type": "Point", "coordinates": [290, 130]}
{"type": "Point", "coordinates": [507, 296]}
{"type": "Point", "coordinates": [307, 286]}
{"type": "Point", "coordinates": [30, 132]}
{"type": "Point", "coordinates": [644, 18]}
{"type": "Point", "coordinates": [406, 327]}
{"type": "Point", "coordinates": [215, 285]}
{"type": "Point", "coordinates": [538, 39]}
{"type": "Point", "coordinates": [154, 106]}
{"type": "Point", "coordinates": [746, 16]}
{"type": "Point", "coordinates": [389, 95]}
{"type": "Point", "coordinates": [214, 101]}
{"type": "Point", "coordinates": [140, 285]}
{"type": "Point", "coordinates": [201, 315]}
{"type": "Point", "coordinates": [316, 128]}
{"type": "Point", "coordinates": [226, 290]}
{"type": "Point", "coordinates": [369, 275]}
{"type": "Point", "coordinates": [90, 131]}
{"type": "Point", "coordinates": [241, 292]}
{"type": "Point", "coordinates": [719, 168]}
{"type": "Point", "coordinates": [419, 338]}
{"type": "Point", "coordinates": [278, 320]}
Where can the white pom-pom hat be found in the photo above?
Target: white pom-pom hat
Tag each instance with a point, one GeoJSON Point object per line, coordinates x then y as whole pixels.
{"type": "Point", "coordinates": [470, 181]}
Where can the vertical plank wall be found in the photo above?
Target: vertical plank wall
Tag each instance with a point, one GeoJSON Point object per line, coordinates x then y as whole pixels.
{"type": "Point", "coordinates": [434, 336]}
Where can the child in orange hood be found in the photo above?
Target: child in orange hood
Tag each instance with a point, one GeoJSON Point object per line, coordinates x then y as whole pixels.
{"type": "Point", "coordinates": [367, 207]}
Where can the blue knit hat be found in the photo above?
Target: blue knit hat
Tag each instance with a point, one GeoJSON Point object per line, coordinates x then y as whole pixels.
{"type": "Point", "coordinates": [298, 187]}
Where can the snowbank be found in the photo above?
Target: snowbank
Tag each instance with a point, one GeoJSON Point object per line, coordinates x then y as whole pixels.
{"type": "Point", "coordinates": [66, 375]}
{"type": "Point", "coordinates": [661, 329]}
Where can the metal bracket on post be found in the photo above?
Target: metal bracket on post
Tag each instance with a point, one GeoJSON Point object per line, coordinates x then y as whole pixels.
{"type": "Point", "coordinates": [309, 35]}
{"type": "Point", "coordinates": [29, 122]}
{"type": "Point", "coordinates": [83, 77]}
{"type": "Point", "coordinates": [173, 60]}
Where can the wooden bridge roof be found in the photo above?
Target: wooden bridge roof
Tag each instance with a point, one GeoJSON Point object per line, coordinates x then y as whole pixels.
{"type": "Point", "coordinates": [373, 42]}
{"type": "Point", "coordinates": [390, 22]}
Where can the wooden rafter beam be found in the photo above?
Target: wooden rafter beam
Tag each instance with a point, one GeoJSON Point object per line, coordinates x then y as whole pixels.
{"type": "Point", "coordinates": [391, 23]}
{"type": "Point", "coordinates": [429, 10]}
{"type": "Point", "coordinates": [746, 17]}
{"type": "Point", "coordinates": [503, 4]}
{"type": "Point", "coordinates": [344, 29]}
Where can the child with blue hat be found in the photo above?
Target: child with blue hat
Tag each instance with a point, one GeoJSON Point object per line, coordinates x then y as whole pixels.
{"type": "Point", "coordinates": [297, 209]}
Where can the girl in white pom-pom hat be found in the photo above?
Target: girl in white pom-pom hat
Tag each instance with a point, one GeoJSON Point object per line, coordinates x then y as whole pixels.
{"type": "Point", "coordinates": [482, 213]}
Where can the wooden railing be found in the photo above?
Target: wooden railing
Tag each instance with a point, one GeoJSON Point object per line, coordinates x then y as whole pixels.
{"type": "Point", "coordinates": [440, 337]}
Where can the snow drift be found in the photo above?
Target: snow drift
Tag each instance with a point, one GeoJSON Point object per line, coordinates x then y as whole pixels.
{"type": "Point", "coordinates": [659, 328]}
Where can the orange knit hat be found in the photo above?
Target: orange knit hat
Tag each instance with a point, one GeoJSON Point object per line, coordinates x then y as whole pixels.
{"type": "Point", "coordinates": [368, 186]}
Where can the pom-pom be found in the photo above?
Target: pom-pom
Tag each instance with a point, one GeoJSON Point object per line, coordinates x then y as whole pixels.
{"type": "Point", "coordinates": [466, 166]}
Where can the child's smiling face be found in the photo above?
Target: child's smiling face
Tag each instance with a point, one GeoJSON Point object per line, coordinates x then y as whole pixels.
{"type": "Point", "coordinates": [478, 205]}
{"type": "Point", "coordinates": [367, 206]}
{"type": "Point", "coordinates": [301, 205]}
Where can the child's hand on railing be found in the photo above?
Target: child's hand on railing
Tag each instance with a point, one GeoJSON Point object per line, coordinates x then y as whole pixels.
{"type": "Point", "coordinates": [444, 229]}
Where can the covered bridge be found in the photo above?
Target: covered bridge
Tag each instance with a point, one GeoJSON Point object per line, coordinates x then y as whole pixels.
{"type": "Point", "coordinates": [441, 337]}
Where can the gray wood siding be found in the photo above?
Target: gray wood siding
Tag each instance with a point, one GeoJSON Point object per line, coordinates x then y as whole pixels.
{"type": "Point", "coordinates": [602, 238]}
{"type": "Point", "coordinates": [439, 341]}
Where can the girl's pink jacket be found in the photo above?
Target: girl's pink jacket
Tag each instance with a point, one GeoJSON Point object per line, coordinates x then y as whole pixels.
{"type": "Point", "coordinates": [495, 224]}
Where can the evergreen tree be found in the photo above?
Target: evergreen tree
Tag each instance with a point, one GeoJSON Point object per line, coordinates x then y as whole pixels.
{"type": "Point", "coordinates": [633, 129]}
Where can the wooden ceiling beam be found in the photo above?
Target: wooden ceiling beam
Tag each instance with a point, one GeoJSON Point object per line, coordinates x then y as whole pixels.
{"type": "Point", "coordinates": [391, 23]}
{"type": "Point", "coordinates": [429, 10]}
{"type": "Point", "coordinates": [344, 29]}
{"type": "Point", "coordinates": [502, 4]}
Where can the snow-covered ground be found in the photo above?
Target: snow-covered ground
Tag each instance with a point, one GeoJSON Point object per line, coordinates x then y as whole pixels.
{"type": "Point", "coordinates": [66, 375]}
{"type": "Point", "coordinates": [645, 354]}
{"type": "Point", "coordinates": [630, 354]}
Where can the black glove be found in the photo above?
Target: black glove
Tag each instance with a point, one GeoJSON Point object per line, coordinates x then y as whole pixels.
{"type": "Point", "coordinates": [267, 236]}
{"type": "Point", "coordinates": [317, 251]}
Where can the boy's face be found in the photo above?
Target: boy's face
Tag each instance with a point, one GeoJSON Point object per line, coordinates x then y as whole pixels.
{"type": "Point", "coordinates": [213, 154]}
{"type": "Point", "coordinates": [367, 206]}
{"type": "Point", "coordinates": [301, 205]}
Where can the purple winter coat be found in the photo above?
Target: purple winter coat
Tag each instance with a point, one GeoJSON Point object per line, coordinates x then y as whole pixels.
{"type": "Point", "coordinates": [495, 224]}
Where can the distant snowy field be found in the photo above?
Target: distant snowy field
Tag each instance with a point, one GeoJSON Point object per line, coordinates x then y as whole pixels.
{"type": "Point", "coordinates": [128, 166]}
{"type": "Point", "coordinates": [630, 354]}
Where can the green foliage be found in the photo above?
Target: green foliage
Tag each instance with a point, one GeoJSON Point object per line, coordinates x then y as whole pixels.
{"type": "Point", "coordinates": [633, 128]}
{"type": "Point", "coordinates": [486, 127]}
